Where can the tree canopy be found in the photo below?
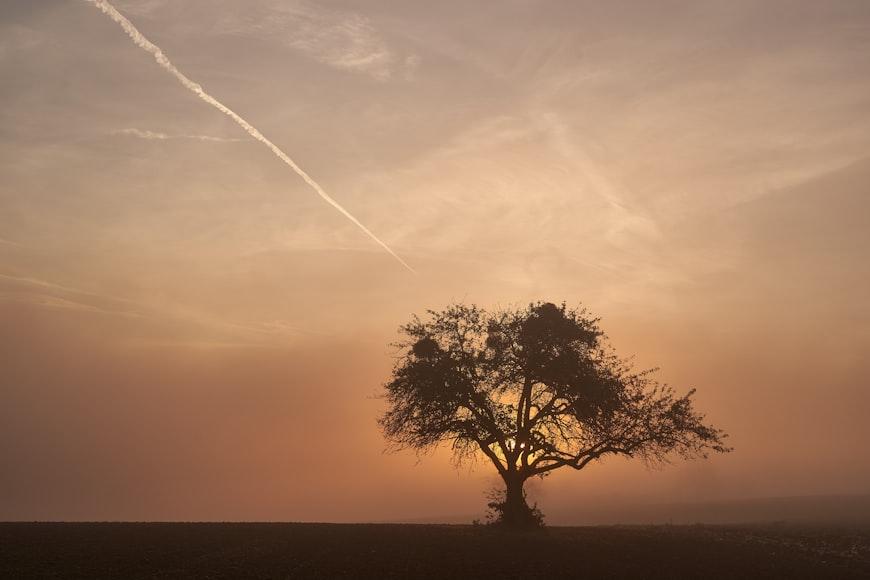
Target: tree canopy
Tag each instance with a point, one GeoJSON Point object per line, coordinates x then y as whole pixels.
{"type": "Point", "coordinates": [533, 389]}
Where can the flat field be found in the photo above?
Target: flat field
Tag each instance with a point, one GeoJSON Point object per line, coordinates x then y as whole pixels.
{"type": "Point", "coordinates": [288, 550]}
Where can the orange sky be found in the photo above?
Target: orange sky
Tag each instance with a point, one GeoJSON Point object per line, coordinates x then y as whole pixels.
{"type": "Point", "coordinates": [187, 331]}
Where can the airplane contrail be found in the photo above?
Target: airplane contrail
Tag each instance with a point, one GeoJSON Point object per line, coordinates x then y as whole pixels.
{"type": "Point", "coordinates": [158, 136]}
{"type": "Point", "coordinates": [146, 45]}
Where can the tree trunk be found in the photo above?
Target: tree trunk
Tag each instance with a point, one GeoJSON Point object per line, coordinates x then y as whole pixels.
{"type": "Point", "coordinates": [515, 511]}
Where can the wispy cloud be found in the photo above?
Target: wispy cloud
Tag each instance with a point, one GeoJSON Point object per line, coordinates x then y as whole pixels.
{"type": "Point", "coordinates": [40, 292]}
{"type": "Point", "coordinates": [48, 294]}
{"type": "Point", "coordinates": [6, 242]}
{"type": "Point", "coordinates": [56, 302]}
{"type": "Point", "coordinates": [143, 8]}
{"type": "Point", "coordinates": [625, 222]}
{"type": "Point", "coordinates": [17, 39]}
{"type": "Point", "coordinates": [340, 39]}
{"type": "Point", "coordinates": [29, 281]}
{"type": "Point", "coordinates": [158, 136]}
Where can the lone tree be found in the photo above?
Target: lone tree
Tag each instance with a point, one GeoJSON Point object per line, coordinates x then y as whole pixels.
{"type": "Point", "coordinates": [534, 389]}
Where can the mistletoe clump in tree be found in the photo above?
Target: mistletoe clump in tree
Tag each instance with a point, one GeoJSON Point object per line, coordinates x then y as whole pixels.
{"type": "Point", "coordinates": [533, 389]}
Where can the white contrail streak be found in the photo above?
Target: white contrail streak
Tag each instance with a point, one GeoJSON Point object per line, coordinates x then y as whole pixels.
{"type": "Point", "coordinates": [164, 62]}
{"type": "Point", "coordinates": [157, 136]}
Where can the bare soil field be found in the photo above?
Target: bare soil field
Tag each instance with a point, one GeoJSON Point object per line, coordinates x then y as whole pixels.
{"type": "Point", "coordinates": [287, 550]}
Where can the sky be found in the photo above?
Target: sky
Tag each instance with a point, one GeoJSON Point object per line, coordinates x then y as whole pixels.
{"type": "Point", "coordinates": [188, 332]}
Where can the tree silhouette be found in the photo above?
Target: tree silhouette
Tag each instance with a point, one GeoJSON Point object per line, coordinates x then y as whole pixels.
{"type": "Point", "coordinates": [533, 389]}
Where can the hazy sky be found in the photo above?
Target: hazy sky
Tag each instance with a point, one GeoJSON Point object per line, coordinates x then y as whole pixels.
{"type": "Point", "coordinates": [187, 331]}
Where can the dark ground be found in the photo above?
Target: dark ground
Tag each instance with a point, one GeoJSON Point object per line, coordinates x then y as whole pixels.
{"type": "Point", "coordinates": [168, 550]}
